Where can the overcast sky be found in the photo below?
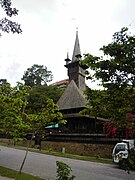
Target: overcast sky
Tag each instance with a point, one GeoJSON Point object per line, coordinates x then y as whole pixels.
{"type": "Point", "coordinates": [49, 28]}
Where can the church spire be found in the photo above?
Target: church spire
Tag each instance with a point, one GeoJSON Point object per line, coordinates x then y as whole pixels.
{"type": "Point", "coordinates": [76, 52]}
{"type": "Point", "coordinates": [76, 71]}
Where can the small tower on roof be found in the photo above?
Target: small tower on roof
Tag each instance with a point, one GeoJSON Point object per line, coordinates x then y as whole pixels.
{"type": "Point", "coordinates": [76, 72]}
{"type": "Point", "coordinates": [67, 59]}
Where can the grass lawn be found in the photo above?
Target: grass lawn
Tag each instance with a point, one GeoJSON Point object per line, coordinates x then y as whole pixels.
{"type": "Point", "coordinates": [73, 156]}
{"type": "Point", "coordinates": [15, 175]}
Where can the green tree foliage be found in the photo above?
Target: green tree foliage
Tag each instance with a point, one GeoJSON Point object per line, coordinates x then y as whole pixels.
{"type": "Point", "coordinates": [38, 96]}
{"type": "Point", "coordinates": [114, 104]}
{"type": "Point", "coordinates": [63, 171]}
{"type": "Point", "coordinates": [47, 115]}
{"type": "Point", "coordinates": [6, 25]}
{"type": "Point", "coordinates": [37, 75]}
{"type": "Point", "coordinates": [38, 121]}
{"type": "Point", "coordinates": [12, 106]}
{"type": "Point", "coordinates": [129, 163]}
{"type": "Point", "coordinates": [117, 70]}
{"type": "Point", "coordinates": [16, 121]}
{"type": "Point", "coordinates": [117, 74]}
{"type": "Point", "coordinates": [95, 106]}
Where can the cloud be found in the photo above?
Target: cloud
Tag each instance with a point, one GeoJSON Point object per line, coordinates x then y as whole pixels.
{"type": "Point", "coordinates": [49, 30]}
{"type": "Point", "coordinates": [12, 71]}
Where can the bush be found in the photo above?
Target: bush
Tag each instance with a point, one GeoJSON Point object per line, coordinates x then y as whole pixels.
{"type": "Point", "coordinates": [128, 164]}
{"type": "Point", "coordinates": [63, 171]}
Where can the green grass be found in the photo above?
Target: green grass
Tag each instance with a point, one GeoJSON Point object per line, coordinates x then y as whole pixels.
{"type": "Point", "coordinates": [85, 158]}
{"type": "Point", "coordinates": [15, 175]}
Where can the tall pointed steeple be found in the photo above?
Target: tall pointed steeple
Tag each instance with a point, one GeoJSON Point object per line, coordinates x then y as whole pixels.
{"type": "Point", "coordinates": [76, 52]}
{"type": "Point", "coordinates": [76, 71]}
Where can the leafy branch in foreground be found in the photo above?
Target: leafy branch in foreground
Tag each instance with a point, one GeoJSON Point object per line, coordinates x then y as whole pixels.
{"type": "Point", "coordinates": [7, 25]}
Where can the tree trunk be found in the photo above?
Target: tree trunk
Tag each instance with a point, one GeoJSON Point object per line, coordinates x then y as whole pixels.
{"type": "Point", "coordinates": [27, 150]}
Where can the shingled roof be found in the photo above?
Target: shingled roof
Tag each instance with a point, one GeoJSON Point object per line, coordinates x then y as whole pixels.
{"type": "Point", "coordinates": [71, 98]}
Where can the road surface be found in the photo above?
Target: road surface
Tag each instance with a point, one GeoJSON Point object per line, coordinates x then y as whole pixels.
{"type": "Point", "coordinates": [45, 166]}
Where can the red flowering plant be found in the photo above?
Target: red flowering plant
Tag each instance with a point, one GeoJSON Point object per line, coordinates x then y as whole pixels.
{"type": "Point", "coordinates": [127, 130]}
{"type": "Point", "coordinates": [130, 128]}
{"type": "Point", "coordinates": [110, 130]}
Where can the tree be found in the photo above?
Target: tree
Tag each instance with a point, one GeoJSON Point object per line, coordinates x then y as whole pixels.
{"type": "Point", "coordinates": [47, 115]}
{"type": "Point", "coordinates": [38, 121]}
{"type": "Point", "coordinates": [117, 74]}
{"type": "Point", "coordinates": [118, 69]}
{"type": "Point", "coordinates": [37, 75]}
{"type": "Point", "coordinates": [95, 103]}
{"type": "Point", "coordinates": [12, 106]}
{"type": "Point", "coordinates": [38, 96]}
{"type": "Point", "coordinates": [6, 25]}
{"type": "Point", "coordinates": [16, 121]}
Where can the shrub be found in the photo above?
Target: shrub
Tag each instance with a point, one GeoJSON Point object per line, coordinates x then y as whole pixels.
{"type": "Point", "coordinates": [128, 164]}
{"type": "Point", "coordinates": [63, 171]}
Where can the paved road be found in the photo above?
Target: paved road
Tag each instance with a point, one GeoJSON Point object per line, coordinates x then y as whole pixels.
{"type": "Point", "coordinates": [45, 166]}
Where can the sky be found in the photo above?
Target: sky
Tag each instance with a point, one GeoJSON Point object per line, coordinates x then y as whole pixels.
{"type": "Point", "coordinates": [49, 29]}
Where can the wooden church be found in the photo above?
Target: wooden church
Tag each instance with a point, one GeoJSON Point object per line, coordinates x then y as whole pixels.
{"type": "Point", "coordinates": [73, 100]}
